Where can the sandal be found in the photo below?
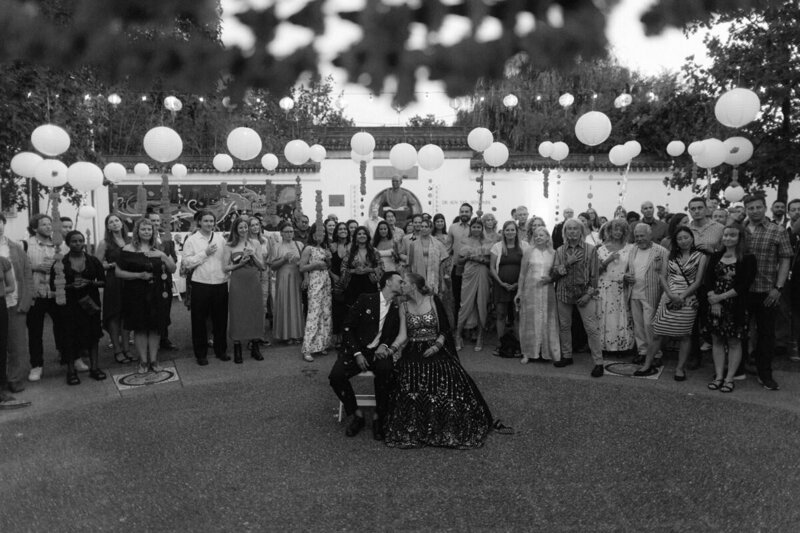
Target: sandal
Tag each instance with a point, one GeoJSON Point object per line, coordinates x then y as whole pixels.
{"type": "Point", "coordinates": [715, 384]}
{"type": "Point", "coordinates": [727, 386]}
{"type": "Point", "coordinates": [97, 374]}
{"type": "Point", "coordinates": [72, 378]}
{"type": "Point", "coordinates": [308, 358]}
{"type": "Point", "coordinates": [523, 361]}
{"type": "Point", "coordinates": [646, 372]}
{"type": "Point", "coordinates": [499, 427]}
{"type": "Point", "coordinates": [122, 357]}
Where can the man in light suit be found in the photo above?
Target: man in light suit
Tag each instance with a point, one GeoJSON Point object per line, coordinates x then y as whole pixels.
{"type": "Point", "coordinates": [372, 337]}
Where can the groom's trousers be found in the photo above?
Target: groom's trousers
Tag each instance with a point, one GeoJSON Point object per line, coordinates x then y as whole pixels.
{"type": "Point", "coordinates": [346, 367]}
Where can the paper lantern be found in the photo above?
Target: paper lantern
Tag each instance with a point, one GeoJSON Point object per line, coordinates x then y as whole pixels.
{"type": "Point", "coordinates": [269, 162]}
{"type": "Point", "coordinates": [173, 104]}
{"type": "Point", "coordinates": [358, 158]}
{"type": "Point", "coordinates": [141, 170]}
{"type": "Point", "coordinates": [317, 153]}
{"type": "Point", "coordinates": [430, 157]}
{"type": "Point", "coordinates": [560, 151]}
{"type": "Point", "coordinates": [286, 103]}
{"type": "Point", "coordinates": [695, 148]}
{"type": "Point", "coordinates": [114, 99]}
{"type": "Point", "coordinates": [739, 150]}
{"type": "Point", "coordinates": [479, 139]}
{"type": "Point", "coordinates": [676, 148]}
{"type": "Point", "coordinates": [734, 193]}
{"type": "Point", "coordinates": [737, 107]}
{"type": "Point", "coordinates": [623, 100]}
{"type": "Point", "coordinates": [163, 144]}
{"type": "Point", "coordinates": [87, 211]}
{"type": "Point", "coordinates": [713, 154]}
{"type": "Point", "coordinates": [619, 155]}
{"type": "Point", "coordinates": [403, 156]}
{"type": "Point", "coordinates": [362, 143]}
{"type": "Point", "coordinates": [50, 139]}
{"type": "Point", "coordinates": [51, 173]}
{"type": "Point", "coordinates": [545, 148]}
{"type": "Point", "coordinates": [510, 100]}
{"type": "Point", "coordinates": [223, 162]}
{"type": "Point", "coordinates": [179, 170]}
{"type": "Point", "coordinates": [114, 172]}
{"type": "Point", "coordinates": [593, 128]}
{"type": "Point", "coordinates": [84, 176]}
{"type": "Point", "coordinates": [496, 155]}
{"type": "Point", "coordinates": [296, 152]}
{"type": "Point", "coordinates": [633, 148]}
{"type": "Point", "coordinates": [566, 100]}
{"type": "Point", "coordinates": [244, 143]}
{"type": "Point", "coordinates": [24, 164]}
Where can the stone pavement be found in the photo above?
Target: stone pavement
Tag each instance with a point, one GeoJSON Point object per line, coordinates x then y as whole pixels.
{"type": "Point", "coordinates": [257, 447]}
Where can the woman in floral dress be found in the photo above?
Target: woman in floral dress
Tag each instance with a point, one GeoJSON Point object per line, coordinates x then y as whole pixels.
{"type": "Point", "coordinates": [616, 322]}
{"type": "Point", "coordinates": [315, 262]}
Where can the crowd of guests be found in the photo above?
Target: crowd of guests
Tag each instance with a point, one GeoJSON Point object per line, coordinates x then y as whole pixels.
{"type": "Point", "coordinates": [711, 281]}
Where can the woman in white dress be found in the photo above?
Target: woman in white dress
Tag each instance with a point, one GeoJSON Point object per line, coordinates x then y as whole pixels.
{"type": "Point", "coordinates": [616, 322]}
{"type": "Point", "coordinates": [536, 301]}
{"type": "Point", "coordinates": [387, 247]}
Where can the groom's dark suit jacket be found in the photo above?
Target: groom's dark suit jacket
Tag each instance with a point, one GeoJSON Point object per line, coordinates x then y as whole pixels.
{"type": "Point", "coordinates": [361, 324]}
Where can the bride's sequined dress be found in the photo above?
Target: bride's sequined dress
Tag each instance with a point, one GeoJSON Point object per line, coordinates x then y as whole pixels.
{"type": "Point", "coordinates": [435, 402]}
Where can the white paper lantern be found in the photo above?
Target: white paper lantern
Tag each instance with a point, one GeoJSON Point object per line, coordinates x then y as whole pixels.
{"type": "Point", "coordinates": [358, 158]}
{"type": "Point", "coordinates": [633, 148]}
{"type": "Point", "coordinates": [163, 144]}
{"type": "Point", "coordinates": [141, 170]}
{"type": "Point", "coordinates": [566, 100]}
{"type": "Point", "coordinates": [560, 151]}
{"type": "Point", "coordinates": [114, 172]}
{"type": "Point", "coordinates": [87, 211]}
{"type": "Point", "coordinates": [317, 153]}
{"type": "Point", "coordinates": [430, 157]}
{"type": "Point", "coordinates": [734, 193]}
{"type": "Point", "coordinates": [296, 152]}
{"type": "Point", "coordinates": [244, 143]}
{"type": "Point", "coordinates": [623, 100]}
{"type": "Point", "coordinates": [84, 176]}
{"type": "Point", "coordinates": [545, 148]}
{"type": "Point", "coordinates": [173, 104]}
{"type": "Point", "coordinates": [51, 173]}
{"type": "Point", "coordinates": [695, 148]}
{"type": "Point", "coordinates": [24, 164]}
{"type": "Point", "coordinates": [479, 139]}
{"type": "Point", "coordinates": [510, 101]}
{"type": "Point", "coordinates": [619, 155]}
{"type": "Point", "coordinates": [676, 148]}
{"type": "Point", "coordinates": [737, 107]}
{"type": "Point", "coordinates": [223, 162]}
{"type": "Point", "coordinates": [179, 170]}
{"type": "Point", "coordinates": [403, 156]}
{"type": "Point", "coordinates": [362, 143]}
{"type": "Point", "coordinates": [739, 150]}
{"type": "Point", "coordinates": [50, 139]}
{"type": "Point", "coordinates": [713, 154]}
{"type": "Point", "coordinates": [496, 155]}
{"type": "Point", "coordinates": [269, 162]}
{"type": "Point", "coordinates": [593, 128]}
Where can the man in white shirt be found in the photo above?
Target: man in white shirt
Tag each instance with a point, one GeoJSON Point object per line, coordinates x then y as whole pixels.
{"type": "Point", "coordinates": [458, 232]}
{"type": "Point", "coordinates": [202, 255]}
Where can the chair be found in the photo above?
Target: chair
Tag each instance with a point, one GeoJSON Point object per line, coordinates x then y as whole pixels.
{"type": "Point", "coordinates": [362, 400]}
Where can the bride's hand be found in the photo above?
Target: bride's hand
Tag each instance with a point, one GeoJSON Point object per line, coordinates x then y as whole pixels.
{"type": "Point", "coordinates": [430, 351]}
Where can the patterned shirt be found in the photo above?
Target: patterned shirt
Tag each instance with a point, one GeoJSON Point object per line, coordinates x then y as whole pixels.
{"type": "Point", "coordinates": [39, 252]}
{"type": "Point", "coordinates": [770, 244]}
{"type": "Point", "coordinates": [708, 237]}
{"type": "Point", "coordinates": [581, 277]}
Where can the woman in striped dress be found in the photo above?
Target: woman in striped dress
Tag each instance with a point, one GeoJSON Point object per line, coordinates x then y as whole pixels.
{"type": "Point", "coordinates": [678, 308]}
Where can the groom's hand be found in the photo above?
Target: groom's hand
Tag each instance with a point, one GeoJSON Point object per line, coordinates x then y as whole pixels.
{"type": "Point", "coordinates": [382, 352]}
{"type": "Point", "coordinates": [361, 361]}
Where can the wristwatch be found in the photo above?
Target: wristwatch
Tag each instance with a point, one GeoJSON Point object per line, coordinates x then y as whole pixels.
{"type": "Point", "coordinates": [777, 288]}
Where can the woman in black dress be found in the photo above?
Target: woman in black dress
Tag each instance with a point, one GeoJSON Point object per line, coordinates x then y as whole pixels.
{"type": "Point", "coordinates": [339, 247]}
{"type": "Point", "coordinates": [505, 263]}
{"type": "Point", "coordinates": [145, 292]}
{"type": "Point", "coordinates": [84, 275]}
{"type": "Point", "coordinates": [107, 252]}
{"type": "Point", "coordinates": [728, 278]}
{"type": "Point", "coordinates": [435, 402]}
{"type": "Point", "coordinates": [363, 267]}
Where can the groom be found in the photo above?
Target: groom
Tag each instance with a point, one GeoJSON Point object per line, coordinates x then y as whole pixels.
{"type": "Point", "coordinates": [371, 339]}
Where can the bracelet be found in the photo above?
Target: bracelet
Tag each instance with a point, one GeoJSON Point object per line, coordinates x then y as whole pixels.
{"type": "Point", "coordinates": [393, 349]}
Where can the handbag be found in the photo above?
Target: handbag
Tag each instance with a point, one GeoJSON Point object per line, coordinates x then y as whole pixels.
{"type": "Point", "coordinates": [88, 305]}
{"type": "Point", "coordinates": [691, 301]}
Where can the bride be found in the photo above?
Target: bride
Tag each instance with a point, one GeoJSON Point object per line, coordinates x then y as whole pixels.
{"type": "Point", "coordinates": [435, 402]}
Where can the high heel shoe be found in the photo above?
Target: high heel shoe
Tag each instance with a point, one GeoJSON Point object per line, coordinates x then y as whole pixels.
{"type": "Point", "coordinates": [255, 352]}
{"type": "Point", "coordinates": [237, 353]}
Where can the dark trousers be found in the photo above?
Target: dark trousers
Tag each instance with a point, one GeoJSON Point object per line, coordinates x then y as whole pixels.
{"type": "Point", "coordinates": [345, 368]}
{"type": "Point", "coordinates": [3, 343]}
{"type": "Point", "coordinates": [456, 282]}
{"type": "Point", "coordinates": [765, 332]}
{"type": "Point", "coordinates": [209, 301]}
{"type": "Point", "coordinates": [165, 327]}
{"type": "Point", "coordinates": [35, 322]}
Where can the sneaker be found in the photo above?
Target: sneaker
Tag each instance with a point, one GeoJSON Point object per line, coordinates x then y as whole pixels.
{"type": "Point", "coordinates": [769, 383]}
{"type": "Point", "coordinates": [80, 366]}
{"type": "Point", "coordinates": [35, 374]}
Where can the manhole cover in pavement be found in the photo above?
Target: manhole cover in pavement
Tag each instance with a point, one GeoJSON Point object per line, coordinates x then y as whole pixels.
{"type": "Point", "coordinates": [622, 369]}
{"type": "Point", "coordinates": [134, 380]}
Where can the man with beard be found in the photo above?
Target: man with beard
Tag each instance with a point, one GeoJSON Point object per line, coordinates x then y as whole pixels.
{"type": "Point", "coordinates": [458, 233]}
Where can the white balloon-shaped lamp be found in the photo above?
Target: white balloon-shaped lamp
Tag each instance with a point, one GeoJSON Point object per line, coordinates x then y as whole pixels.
{"type": "Point", "coordinates": [560, 151]}
{"type": "Point", "coordinates": [50, 139]}
{"type": "Point", "coordinates": [114, 172]}
{"type": "Point", "coordinates": [179, 170]}
{"type": "Point", "coordinates": [269, 162]}
{"type": "Point", "coordinates": [737, 107]}
{"type": "Point", "coordinates": [51, 173]}
{"type": "Point", "coordinates": [619, 155]}
{"type": "Point", "coordinates": [545, 148]}
{"type": "Point", "coordinates": [141, 170]}
{"type": "Point", "coordinates": [479, 139]}
{"type": "Point", "coordinates": [362, 143]}
{"type": "Point", "coordinates": [633, 148]}
{"type": "Point", "coordinates": [87, 211]}
{"type": "Point", "coordinates": [317, 153]}
{"type": "Point", "coordinates": [593, 128]}
{"type": "Point", "coordinates": [223, 162]}
{"type": "Point", "coordinates": [84, 176]}
{"type": "Point", "coordinates": [430, 157]}
{"type": "Point", "coordinates": [713, 154]}
{"type": "Point", "coordinates": [244, 143]}
{"type": "Point", "coordinates": [496, 155]}
{"type": "Point", "coordinates": [403, 156]}
{"type": "Point", "coordinates": [24, 164]}
{"type": "Point", "coordinates": [739, 150]}
{"type": "Point", "coordinates": [296, 152]}
{"type": "Point", "coordinates": [676, 148]}
{"type": "Point", "coordinates": [163, 144]}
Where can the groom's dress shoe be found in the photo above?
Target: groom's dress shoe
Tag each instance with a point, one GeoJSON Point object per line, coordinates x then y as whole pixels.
{"type": "Point", "coordinates": [355, 425]}
{"type": "Point", "coordinates": [377, 429]}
